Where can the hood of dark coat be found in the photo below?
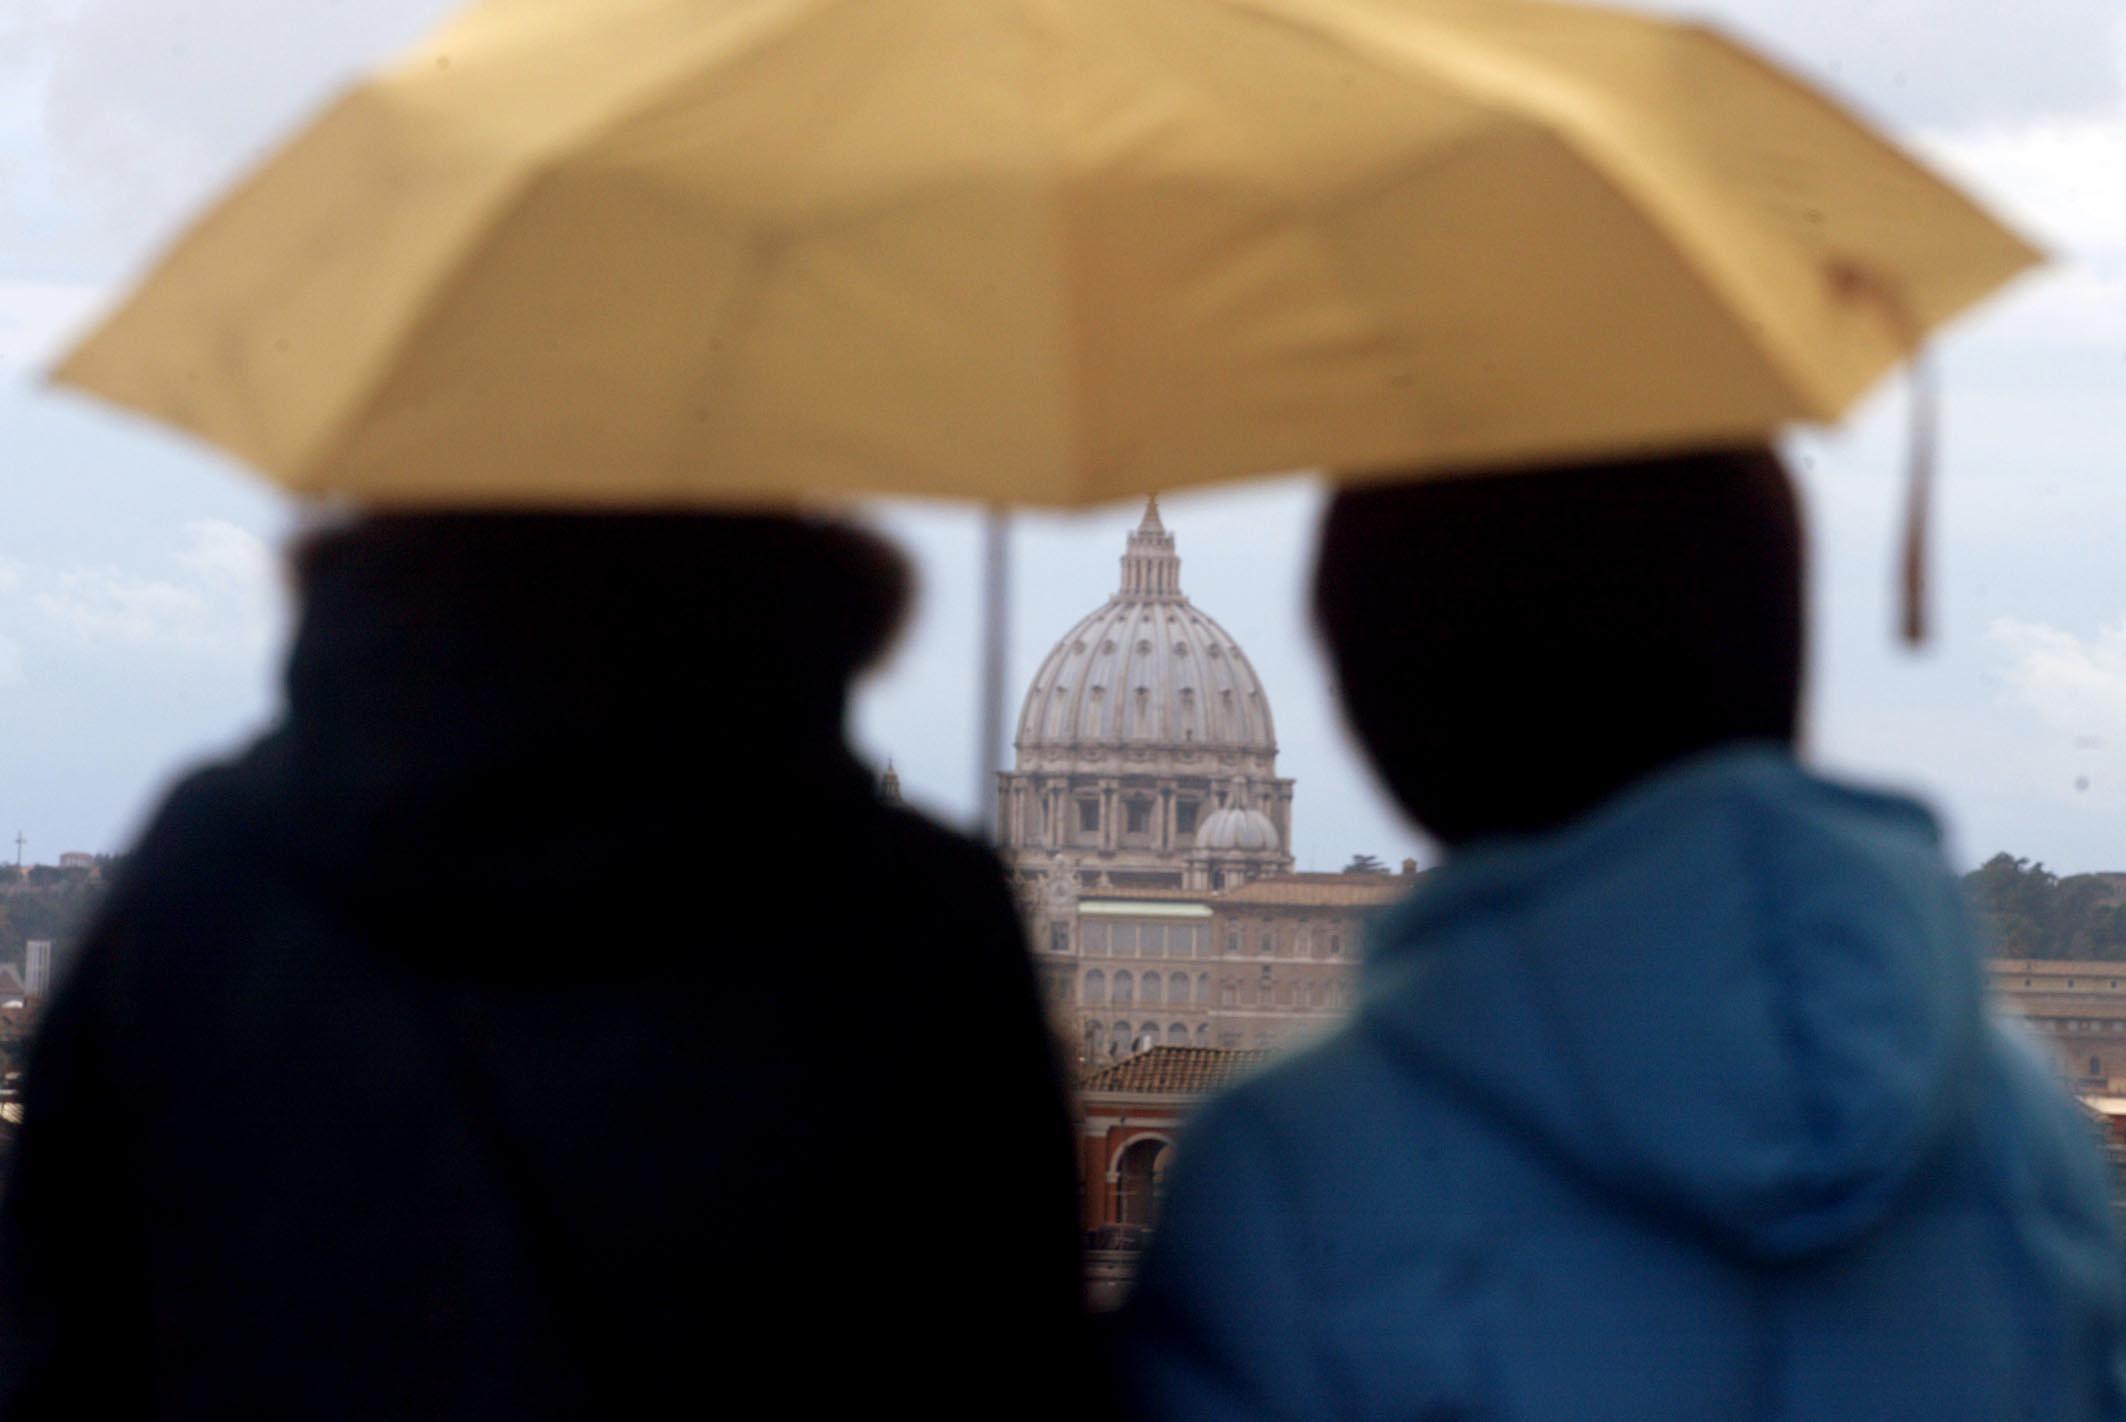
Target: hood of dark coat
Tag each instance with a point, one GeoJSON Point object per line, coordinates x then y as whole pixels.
{"type": "Point", "coordinates": [501, 728]}
{"type": "Point", "coordinates": [1744, 997]}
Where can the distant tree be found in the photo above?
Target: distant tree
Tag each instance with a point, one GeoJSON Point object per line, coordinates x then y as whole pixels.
{"type": "Point", "coordinates": [2029, 912]}
{"type": "Point", "coordinates": [2013, 898]}
{"type": "Point", "coordinates": [57, 906]}
{"type": "Point", "coordinates": [2081, 909]}
{"type": "Point", "coordinates": [1365, 864]}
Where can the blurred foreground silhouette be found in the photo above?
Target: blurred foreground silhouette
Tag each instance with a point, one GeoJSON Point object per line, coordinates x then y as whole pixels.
{"type": "Point", "coordinates": [1674, 1094]}
{"type": "Point", "coordinates": [541, 1021]}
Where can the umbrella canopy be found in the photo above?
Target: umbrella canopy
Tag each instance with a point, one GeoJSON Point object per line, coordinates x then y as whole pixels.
{"type": "Point", "coordinates": [601, 252]}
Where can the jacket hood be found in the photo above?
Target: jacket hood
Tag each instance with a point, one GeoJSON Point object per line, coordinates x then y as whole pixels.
{"type": "Point", "coordinates": [1742, 996]}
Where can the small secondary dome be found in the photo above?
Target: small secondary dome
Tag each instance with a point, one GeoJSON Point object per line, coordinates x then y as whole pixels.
{"type": "Point", "coordinates": [1239, 828]}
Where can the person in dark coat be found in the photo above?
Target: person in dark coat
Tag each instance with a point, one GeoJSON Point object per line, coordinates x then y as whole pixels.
{"type": "Point", "coordinates": [547, 1019]}
{"type": "Point", "coordinates": [1674, 1093]}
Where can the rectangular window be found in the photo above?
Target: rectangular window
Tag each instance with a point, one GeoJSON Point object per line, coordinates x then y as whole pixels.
{"type": "Point", "coordinates": [1185, 816]}
{"type": "Point", "coordinates": [1151, 939]}
{"type": "Point", "coordinates": [1059, 938]}
{"type": "Point", "coordinates": [1232, 945]}
{"type": "Point", "coordinates": [1125, 940]}
{"type": "Point", "coordinates": [1269, 943]}
{"type": "Point", "coordinates": [1089, 816]}
{"type": "Point", "coordinates": [1137, 817]}
{"type": "Point", "coordinates": [1092, 936]}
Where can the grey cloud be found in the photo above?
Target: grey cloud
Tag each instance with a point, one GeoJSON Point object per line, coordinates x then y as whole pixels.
{"type": "Point", "coordinates": [218, 596]}
{"type": "Point", "coordinates": [150, 104]}
{"type": "Point", "coordinates": [1942, 63]}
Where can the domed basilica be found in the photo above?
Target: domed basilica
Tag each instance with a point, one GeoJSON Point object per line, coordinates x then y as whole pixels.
{"type": "Point", "coordinates": [1146, 753]}
{"type": "Point", "coordinates": [1149, 836]}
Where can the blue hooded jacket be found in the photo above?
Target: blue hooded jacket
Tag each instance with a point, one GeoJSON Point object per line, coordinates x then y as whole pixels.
{"type": "Point", "coordinates": [1692, 1110]}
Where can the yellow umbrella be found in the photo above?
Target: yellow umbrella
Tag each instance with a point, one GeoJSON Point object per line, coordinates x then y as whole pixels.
{"type": "Point", "coordinates": [1053, 251]}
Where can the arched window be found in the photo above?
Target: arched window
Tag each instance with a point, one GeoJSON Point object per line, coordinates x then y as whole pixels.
{"type": "Point", "coordinates": [1140, 1176]}
{"type": "Point", "coordinates": [1125, 988]}
{"type": "Point", "coordinates": [1203, 1034]}
{"type": "Point", "coordinates": [1177, 989]}
{"type": "Point", "coordinates": [1095, 1034]}
{"type": "Point", "coordinates": [1118, 1039]}
{"type": "Point", "coordinates": [1148, 1035]}
{"type": "Point", "coordinates": [1203, 989]}
{"type": "Point", "coordinates": [1176, 1034]}
{"type": "Point", "coordinates": [1151, 989]}
{"type": "Point", "coordinates": [1095, 988]}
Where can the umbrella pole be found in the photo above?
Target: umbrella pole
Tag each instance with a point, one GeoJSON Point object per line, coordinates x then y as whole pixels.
{"type": "Point", "coordinates": [996, 590]}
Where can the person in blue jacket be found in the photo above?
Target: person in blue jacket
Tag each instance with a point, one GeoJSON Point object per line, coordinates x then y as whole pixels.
{"type": "Point", "coordinates": [1675, 1093]}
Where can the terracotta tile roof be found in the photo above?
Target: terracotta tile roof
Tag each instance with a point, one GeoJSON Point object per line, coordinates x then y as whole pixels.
{"type": "Point", "coordinates": [1320, 890]}
{"type": "Point", "coordinates": [1174, 1071]}
{"type": "Point", "coordinates": [1179, 896]}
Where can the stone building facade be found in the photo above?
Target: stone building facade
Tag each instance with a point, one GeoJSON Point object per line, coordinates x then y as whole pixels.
{"type": "Point", "coordinates": [2077, 1010]}
{"type": "Point", "coordinates": [1149, 836]}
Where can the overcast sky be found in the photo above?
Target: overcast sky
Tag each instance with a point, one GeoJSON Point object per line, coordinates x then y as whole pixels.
{"type": "Point", "coordinates": [140, 613]}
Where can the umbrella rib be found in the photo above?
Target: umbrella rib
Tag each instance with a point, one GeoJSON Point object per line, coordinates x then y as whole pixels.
{"type": "Point", "coordinates": [1316, 25]}
{"type": "Point", "coordinates": [510, 197]}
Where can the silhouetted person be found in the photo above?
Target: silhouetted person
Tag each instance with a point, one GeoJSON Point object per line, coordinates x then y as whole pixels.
{"type": "Point", "coordinates": [548, 1020]}
{"type": "Point", "coordinates": [1673, 1094]}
